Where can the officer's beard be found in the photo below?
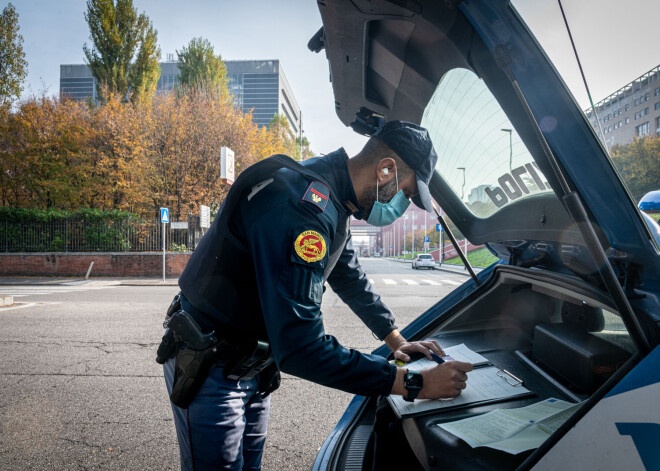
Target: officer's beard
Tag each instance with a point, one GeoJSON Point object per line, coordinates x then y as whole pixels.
{"type": "Point", "coordinates": [385, 194]}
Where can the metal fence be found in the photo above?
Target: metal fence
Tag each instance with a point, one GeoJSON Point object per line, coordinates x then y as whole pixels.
{"type": "Point", "coordinates": [108, 235]}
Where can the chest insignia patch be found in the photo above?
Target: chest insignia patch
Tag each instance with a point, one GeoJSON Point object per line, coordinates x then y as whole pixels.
{"type": "Point", "coordinates": [310, 246]}
{"type": "Point", "coordinates": [317, 194]}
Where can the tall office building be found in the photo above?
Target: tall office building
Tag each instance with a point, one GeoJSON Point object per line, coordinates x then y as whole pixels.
{"type": "Point", "coordinates": [257, 85]}
{"type": "Point", "coordinates": [76, 81]}
{"type": "Point", "coordinates": [630, 112]}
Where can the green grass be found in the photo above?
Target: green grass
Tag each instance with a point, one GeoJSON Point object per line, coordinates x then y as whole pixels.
{"type": "Point", "coordinates": [477, 258]}
{"type": "Point", "coordinates": [655, 216]}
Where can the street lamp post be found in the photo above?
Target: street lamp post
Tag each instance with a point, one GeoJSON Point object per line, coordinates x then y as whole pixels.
{"type": "Point", "coordinates": [425, 232]}
{"type": "Point", "coordinates": [302, 157]}
{"type": "Point", "coordinates": [462, 198]}
{"type": "Point", "coordinates": [412, 235]}
{"type": "Point", "coordinates": [510, 131]}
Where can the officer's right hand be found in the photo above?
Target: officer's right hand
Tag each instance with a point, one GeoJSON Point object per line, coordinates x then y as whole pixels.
{"type": "Point", "coordinates": [445, 381]}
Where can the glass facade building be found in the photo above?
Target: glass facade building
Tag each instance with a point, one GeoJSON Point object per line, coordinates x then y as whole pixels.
{"type": "Point", "coordinates": [259, 86]}
{"type": "Point", "coordinates": [76, 81]}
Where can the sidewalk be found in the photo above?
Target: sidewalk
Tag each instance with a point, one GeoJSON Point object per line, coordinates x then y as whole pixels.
{"type": "Point", "coordinates": [27, 280]}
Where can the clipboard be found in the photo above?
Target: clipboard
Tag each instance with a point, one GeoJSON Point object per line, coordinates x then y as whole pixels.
{"type": "Point", "coordinates": [509, 377]}
{"type": "Point", "coordinates": [484, 385]}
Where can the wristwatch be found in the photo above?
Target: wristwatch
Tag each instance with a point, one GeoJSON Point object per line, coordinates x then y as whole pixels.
{"type": "Point", "coordinates": [413, 382]}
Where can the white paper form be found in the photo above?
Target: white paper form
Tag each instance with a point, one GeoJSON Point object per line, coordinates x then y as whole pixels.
{"type": "Point", "coordinates": [513, 430]}
{"type": "Point", "coordinates": [483, 385]}
{"type": "Point", "coordinates": [461, 352]}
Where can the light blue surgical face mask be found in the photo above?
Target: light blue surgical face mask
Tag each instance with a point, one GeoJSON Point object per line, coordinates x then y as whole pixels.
{"type": "Point", "coordinates": [384, 214]}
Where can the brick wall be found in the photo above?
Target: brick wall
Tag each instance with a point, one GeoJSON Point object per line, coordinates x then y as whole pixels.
{"type": "Point", "coordinates": [105, 264]}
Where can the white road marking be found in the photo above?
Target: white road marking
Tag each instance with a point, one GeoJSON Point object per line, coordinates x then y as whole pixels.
{"type": "Point", "coordinates": [431, 282]}
{"type": "Point", "coordinates": [387, 281]}
{"type": "Point", "coordinates": [2, 309]}
{"type": "Point", "coordinates": [410, 282]}
{"type": "Point", "coordinates": [40, 290]}
{"type": "Point", "coordinates": [23, 293]}
{"type": "Point", "coordinates": [451, 282]}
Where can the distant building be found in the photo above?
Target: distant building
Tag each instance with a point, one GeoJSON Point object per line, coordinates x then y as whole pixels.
{"type": "Point", "coordinates": [76, 81]}
{"type": "Point", "coordinates": [632, 111]}
{"type": "Point", "coordinates": [260, 86]}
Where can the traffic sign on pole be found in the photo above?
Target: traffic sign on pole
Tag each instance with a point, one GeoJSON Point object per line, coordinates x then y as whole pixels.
{"type": "Point", "coordinates": [164, 218]}
{"type": "Point", "coordinates": [204, 216]}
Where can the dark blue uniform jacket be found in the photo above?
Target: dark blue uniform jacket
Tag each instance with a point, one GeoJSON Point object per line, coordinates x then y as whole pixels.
{"type": "Point", "coordinates": [268, 225]}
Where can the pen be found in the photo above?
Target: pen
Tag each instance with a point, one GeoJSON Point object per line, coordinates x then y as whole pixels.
{"type": "Point", "coordinates": [437, 358]}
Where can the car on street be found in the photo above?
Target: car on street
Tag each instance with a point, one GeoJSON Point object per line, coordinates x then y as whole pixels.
{"type": "Point", "coordinates": [571, 311]}
{"type": "Point", "coordinates": [423, 260]}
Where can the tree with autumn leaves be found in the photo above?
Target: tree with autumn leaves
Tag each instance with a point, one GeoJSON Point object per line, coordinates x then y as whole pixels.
{"type": "Point", "coordinates": [124, 55]}
{"type": "Point", "coordinates": [128, 156]}
{"type": "Point", "coordinates": [132, 151]}
{"type": "Point", "coordinates": [639, 165]}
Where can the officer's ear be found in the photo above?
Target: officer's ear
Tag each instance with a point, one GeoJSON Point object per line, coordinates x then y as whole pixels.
{"type": "Point", "coordinates": [385, 170]}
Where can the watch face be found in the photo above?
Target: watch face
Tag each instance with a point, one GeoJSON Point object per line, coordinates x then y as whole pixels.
{"type": "Point", "coordinates": [414, 380]}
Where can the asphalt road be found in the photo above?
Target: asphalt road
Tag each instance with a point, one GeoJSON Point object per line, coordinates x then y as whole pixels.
{"type": "Point", "coordinates": [81, 390]}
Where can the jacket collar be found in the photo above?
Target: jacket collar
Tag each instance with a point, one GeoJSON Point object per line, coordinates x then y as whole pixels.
{"type": "Point", "coordinates": [334, 167]}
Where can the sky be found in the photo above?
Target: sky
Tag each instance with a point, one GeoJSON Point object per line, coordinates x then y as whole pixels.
{"type": "Point", "coordinates": [617, 42]}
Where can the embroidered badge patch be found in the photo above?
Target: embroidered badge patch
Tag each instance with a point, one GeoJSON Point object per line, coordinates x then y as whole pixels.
{"type": "Point", "coordinates": [317, 194]}
{"type": "Point", "coordinates": [310, 246]}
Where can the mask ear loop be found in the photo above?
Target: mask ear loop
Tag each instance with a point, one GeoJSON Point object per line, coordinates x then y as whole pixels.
{"type": "Point", "coordinates": [396, 175]}
{"type": "Point", "coordinates": [376, 189]}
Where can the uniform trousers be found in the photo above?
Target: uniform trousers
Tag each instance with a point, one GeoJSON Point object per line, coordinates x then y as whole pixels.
{"type": "Point", "coordinates": [224, 428]}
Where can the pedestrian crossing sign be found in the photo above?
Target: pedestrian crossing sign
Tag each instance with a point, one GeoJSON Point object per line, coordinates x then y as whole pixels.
{"type": "Point", "coordinates": [164, 215]}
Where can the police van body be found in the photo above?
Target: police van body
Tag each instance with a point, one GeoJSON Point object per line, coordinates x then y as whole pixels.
{"type": "Point", "coordinates": [573, 306]}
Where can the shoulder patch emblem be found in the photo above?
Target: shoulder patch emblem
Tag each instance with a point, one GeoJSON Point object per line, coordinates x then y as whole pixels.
{"type": "Point", "coordinates": [317, 194]}
{"type": "Point", "coordinates": [310, 246]}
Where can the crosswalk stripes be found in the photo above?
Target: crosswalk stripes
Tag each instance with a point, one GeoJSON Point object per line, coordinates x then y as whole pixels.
{"type": "Point", "coordinates": [411, 282]}
{"type": "Point", "coordinates": [451, 282]}
{"type": "Point", "coordinates": [431, 282]}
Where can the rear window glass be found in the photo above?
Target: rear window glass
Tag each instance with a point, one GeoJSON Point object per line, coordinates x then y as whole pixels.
{"type": "Point", "coordinates": [480, 155]}
{"type": "Point", "coordinates": [426, 257]}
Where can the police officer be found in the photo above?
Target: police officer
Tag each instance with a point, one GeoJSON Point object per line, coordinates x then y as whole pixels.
{"type": "Point", "coordinates": [281, 234]}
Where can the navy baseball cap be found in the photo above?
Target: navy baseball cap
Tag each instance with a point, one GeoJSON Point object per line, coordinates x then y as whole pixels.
{"type": "Point", "coordinates": [413, 144]}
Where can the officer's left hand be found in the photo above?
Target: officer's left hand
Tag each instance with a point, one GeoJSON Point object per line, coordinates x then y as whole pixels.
{"type": "Point", "coordinates": [425, 346]}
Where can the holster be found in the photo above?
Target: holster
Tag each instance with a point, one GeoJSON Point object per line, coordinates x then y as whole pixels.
{"type": "Point", "coordinates": [269, 380]}
{"type": "Point", "coordinates": [190, 371]}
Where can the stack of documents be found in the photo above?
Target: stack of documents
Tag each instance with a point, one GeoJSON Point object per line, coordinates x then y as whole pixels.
{"type": "Point", "coordinates": [513, 430]}
{"type": "Point", "coordinates": [483, 385]}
